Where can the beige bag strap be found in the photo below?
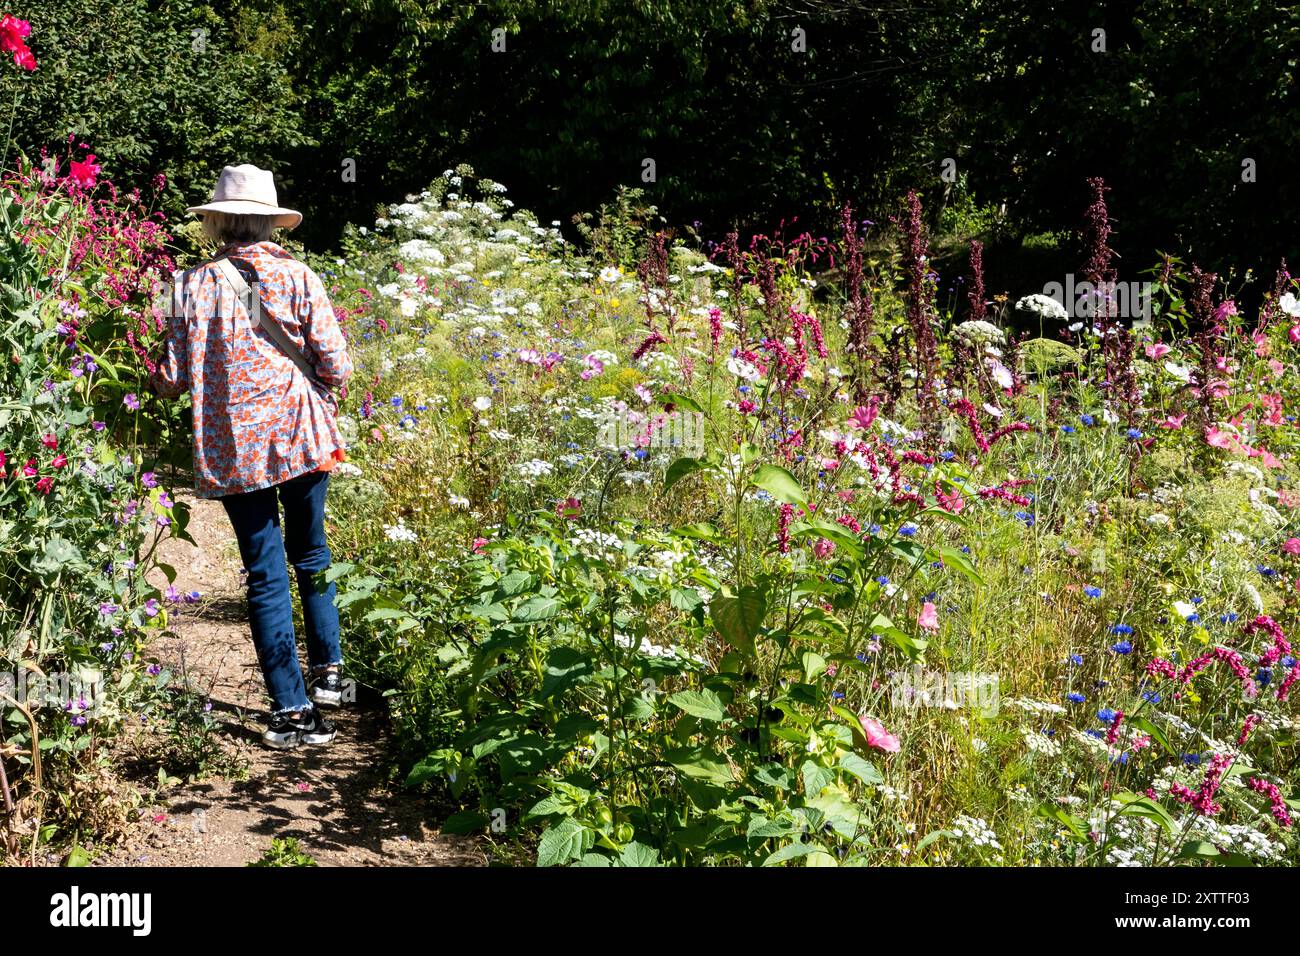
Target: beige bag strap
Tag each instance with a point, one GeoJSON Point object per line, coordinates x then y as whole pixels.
{"type": "Point", "coordinates": [278, 335]}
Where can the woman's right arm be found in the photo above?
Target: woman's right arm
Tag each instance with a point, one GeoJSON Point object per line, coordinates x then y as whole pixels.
{"type": "Point", "coordinates": [172, 376]}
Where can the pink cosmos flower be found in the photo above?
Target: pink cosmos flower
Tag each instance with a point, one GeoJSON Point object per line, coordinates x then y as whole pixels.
{"type": "Point", "coordinates": [928, 619]}
{"type": "Point", "coordinates": [1224, 310]}
{"type": "Point", "coordinates": [85, 172]}
{"type": "Point", "coordinates": [1291, 546]}
{"type": "Point", "coordinates": [864, 415]}
{"type": "Point", "coordinates": [1216, 438]}
{"type": "Point", "coordinates": [1173, 421]}
{"type": "Point", "coordinates": [1157, 351]}
{"type": "Point", "coordinates": [878, 736]}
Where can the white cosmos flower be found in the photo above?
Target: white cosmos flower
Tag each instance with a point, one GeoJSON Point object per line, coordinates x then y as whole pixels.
{"type": "Point", "coordinates": [1290, 305]}
{"type": "Point", "coordinates": [482, 403]}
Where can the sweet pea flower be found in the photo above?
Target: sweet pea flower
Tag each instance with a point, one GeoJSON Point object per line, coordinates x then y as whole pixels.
{"type": "Point", "coordinates": [878, 736]}
{"type": "Point", "coordinates": [928, 619]}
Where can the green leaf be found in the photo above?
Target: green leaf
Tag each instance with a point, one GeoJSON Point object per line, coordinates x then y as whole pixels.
{"type": "Point", "coordinates": [700, 764]}
{"type": "Point", "coordinates": [1152, 731]}
{"type": "Point", "coordinates": [1200, 850]}
{"type": "Point", "coordinates": [77, 857]}
{"type": "Point", "coordinates": [738, 617]}
{"type": "Point", "coordinates": [780, 484]}
{"type": "Point", "coordinates": [704, 704]}
{"type": "Point", "coordinates": [537, 609]}
{"type": "Point", "coordinates": [567, 840]}
{"type": "Point", "coordinates": [565, 668]}
{"type": "Point", "coordinates": [864, 770]}
{"type": "Point", "coordinates": [815, 777]}
{"type": "Point", "coordinates": [1143, 806]}
{"type": "Point", "coordinates": [680, 469]}
{"type": "Point", "coordinates": [638, 854]}
{"type": "Point", "coordinates": [681, 401]}
{"type": "Point", "coordinates": [792, 851]}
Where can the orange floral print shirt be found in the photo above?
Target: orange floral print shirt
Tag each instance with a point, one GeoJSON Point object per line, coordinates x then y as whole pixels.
{"type": "Point", "coordinates": [258, 421]}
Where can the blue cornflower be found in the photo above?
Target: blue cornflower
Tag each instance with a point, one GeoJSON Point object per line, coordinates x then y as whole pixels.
{"type": "Point", "coordinates": [397, 401]}
{"type": "Point", "coordinates": [1123, 647]}
{"type": "Point", "coordinates": [947, 455]}
{"type": "Point", "coordinates": [1134, 433]}
{"type": "Point", "coordinates": [1228, 618]}
{"type": "Point", "coordinates": [1151, 697]}
{"type": "Point", "coordinates": [907, 530]}
{"type": "Point", "coordinates": [1263, 676]}
{"type": "Point", "coordinates": [1198, 599]}
{"type": "Point", "coordinates": [1068, 429]}
{"type": "Point", "coordinates": [1092, 592]}
{"type": "Point", "coordinates": [1106, 715]}
{"type": "Point", "coordinates": [1192, 760]}
{"type": "Point", "coordinates": [1026, 517]}
{"type": "Point", "coordinates": [1075, 697]}
{"type": "Point", "coordinates": [873, 528]}
{"type": "Point", "coordinates": [1087, 420]}
{"type": "Point", "coordinates": [1076, 660]}
{"type": "Point", "coordinates": [1094, 732]}
{"type": "Point", "coordinates": [883, 581]}
{"type": "Point", "coordinates": [1121, 628]}
{"type": "Point", "coordinates": [1266, 571]}
{"type": "Point", "coordinates": [1288, 662]}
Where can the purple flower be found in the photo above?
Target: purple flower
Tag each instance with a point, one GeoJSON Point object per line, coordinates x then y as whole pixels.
{"type": "Point", "coordinates": [153, 670]}
{"type": "Point", "coordinates": [192, 597]}
{"type": "Point", "coordinates": [107, 607]}
{"type": "Point", "coordinates": [172, 594]}
{"type": "Point", "coordinates": [131, 402]}
{"type": "Point", "coordinates": [151, 607]}
{"type": "Point", "coordinates": [97, 426]}
{"type": "Point", "coordinates": [148, 480]}
{"type": "Point", "coordinates": [163, 521]}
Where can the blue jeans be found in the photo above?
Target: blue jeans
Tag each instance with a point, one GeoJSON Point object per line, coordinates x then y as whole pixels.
{"type": "Point", "coordinates": [256, 520]}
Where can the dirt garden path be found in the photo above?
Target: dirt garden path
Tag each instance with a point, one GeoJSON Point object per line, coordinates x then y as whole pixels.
{"type": "Point", "coordinates": [335, 800]}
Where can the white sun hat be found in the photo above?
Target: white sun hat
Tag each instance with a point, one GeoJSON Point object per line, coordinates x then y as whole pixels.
{"type": "Point", "coordinates": [248, 190]}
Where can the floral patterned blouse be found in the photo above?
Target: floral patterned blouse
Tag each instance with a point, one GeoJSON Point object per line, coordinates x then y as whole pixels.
{"type": "Point", "coordinates": [258, 421]}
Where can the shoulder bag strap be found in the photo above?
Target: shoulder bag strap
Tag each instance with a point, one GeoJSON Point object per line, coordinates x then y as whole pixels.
{"type": "Point", "coordinates": [268, 325]}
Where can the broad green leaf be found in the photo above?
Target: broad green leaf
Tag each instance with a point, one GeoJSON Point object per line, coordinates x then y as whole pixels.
{"type": "Point", "coordinates": [638, 854]}
{"type": "Point", "coordinates": [780, 484]}
{"type": "Point", "coordinates": [704, 704]}
{"type": "Point", "coordinates": [738, 617]}
{"type": "Point", "coordinates": [565, 841]}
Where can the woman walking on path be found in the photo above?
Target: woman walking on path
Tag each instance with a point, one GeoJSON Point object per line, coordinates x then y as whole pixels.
{"type": "Point", "coordinates": [254, 339]}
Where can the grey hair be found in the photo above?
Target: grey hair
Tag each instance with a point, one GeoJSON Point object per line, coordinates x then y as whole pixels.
{"type": "Point", "coordinates": [227, 227]}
